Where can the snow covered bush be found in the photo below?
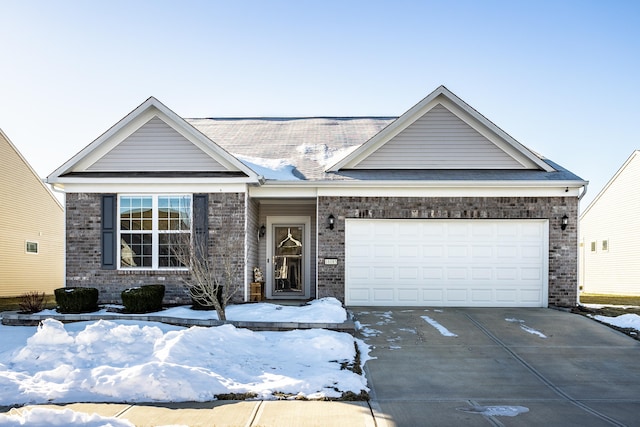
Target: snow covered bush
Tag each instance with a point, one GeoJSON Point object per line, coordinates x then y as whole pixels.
{"type": "Point", "coordinates": [143, 299]}
{"type": "Point", "coordinates": [76, 300]}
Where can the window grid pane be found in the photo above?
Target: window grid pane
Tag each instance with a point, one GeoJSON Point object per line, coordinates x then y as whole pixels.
{"type": "Point", "coordinates": [172, 248]}
{"type": "Point", "coordinates": [136, 250]}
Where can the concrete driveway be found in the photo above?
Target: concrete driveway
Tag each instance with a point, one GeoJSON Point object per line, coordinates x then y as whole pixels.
{"type": "Point", "coordinates": [504, 367]}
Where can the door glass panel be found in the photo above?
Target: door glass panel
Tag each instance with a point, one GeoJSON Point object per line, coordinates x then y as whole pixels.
{"type": "Point", "coordinates": [287, 259]}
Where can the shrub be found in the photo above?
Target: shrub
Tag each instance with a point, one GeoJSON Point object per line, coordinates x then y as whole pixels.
{"type": "Point", "coordinates": [144, 299]}
{"type": "Point", "coordinates": [76, 300]}
{"type": "Point", "coordinates": [31, 302]}
{"type": "Point", "coordinates": [196, 305]}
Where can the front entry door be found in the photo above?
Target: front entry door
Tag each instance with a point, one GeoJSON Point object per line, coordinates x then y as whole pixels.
{"type": "Point", "coordinates": [288, 258]}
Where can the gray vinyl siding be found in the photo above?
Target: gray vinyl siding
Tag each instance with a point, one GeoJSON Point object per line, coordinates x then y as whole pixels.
{"type": "Point", "coordinates": [156, 146]}
{"type": "Point", "coordinates": [439, 140]}
{"type": "Point", "coordinates": [614, 217]}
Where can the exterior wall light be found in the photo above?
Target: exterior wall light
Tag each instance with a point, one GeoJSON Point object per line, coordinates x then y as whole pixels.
{"type": "Point", "coordinates": [262, 231]}
{"type": "Point", "coordinates": [332, 221]}
{"type": "Point", "coordinates": [565, 222]}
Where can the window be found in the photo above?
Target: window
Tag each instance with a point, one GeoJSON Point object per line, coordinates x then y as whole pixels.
{"type": "Point", "coordinates": [31, 247]}
{"type": "Point", "coordinates": [605, 245]}
{"type": "Point", "coordinates": [152, 230]}
{"type": "Point", "coordinates": [593, 246]}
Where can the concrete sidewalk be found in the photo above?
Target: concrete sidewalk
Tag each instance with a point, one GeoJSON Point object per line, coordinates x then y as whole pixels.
{"type": "Point", "coordinates": [232, 413]}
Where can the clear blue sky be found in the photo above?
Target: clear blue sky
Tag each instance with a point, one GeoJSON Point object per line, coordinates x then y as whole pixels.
{"type": "Point", "coordinates": [561, 77]}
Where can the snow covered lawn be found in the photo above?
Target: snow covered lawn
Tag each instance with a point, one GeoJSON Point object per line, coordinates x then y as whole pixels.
{"type": "Point", "coordinates": [134, 361]}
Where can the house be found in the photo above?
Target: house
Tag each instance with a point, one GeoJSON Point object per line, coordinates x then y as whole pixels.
{"type": "Point", "coordinates": [437, 207]}
{"type": "Point", "coordinates": [31, 228]}
{"type": "Point", "coordinates": [610, 235]}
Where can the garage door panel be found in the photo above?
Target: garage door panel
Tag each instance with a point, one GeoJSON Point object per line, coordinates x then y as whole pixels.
{"type": "Point", "coordinates": [481, 273]}
{"type": "Point", "coordinates": [457, 295]}
{"type": "Point", "coordinates": [506, 273]}
{"type": "Point", "coordinates": [383, 273]}
{"type": "Point", "coordinates": [457, 251]}
{"type": "Point", "coordinates": [530, 274]}
{"type": "Point", "coordinates": [506, 296]}
{"type": "Point", "coordinates": [359, 274]}
{"type": "Point", "coordinates": [432, 273]}
{"type": "Point", "coordinates": [481, 295]}
{"type": "Point", "coordinates": [382, 252]}
{"type": "Point", "coordinates": [532, 296]}
{"type": "Point", "coordinates": [433, 296]}
{"type": "Point", "coordinates": [383, 295]}
{"type": "Point", "coordinates": [446, 262]}
{"type": "Point", "coordinates": [361, 296]}
{"type": "Point", "coordinates": [409, 273]}
{"type": "Point", "coordinates": [456, 273]}
{"type": "Point", "coordinates": [408, 295]}
{"type": "Point", "coordinates": [481, 251]}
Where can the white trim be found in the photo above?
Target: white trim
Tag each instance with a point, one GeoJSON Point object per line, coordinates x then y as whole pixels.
{"type": "Point", "coordinates": [175, 186]}
{"type": "Point", "coordinates": [154, 232]}
{"type": "Point", "coordinates": [419, 189]}
{"type": "Point", "coordinates": [288, 220]}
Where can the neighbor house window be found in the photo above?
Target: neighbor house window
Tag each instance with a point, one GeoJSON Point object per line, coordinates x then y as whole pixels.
{"type": "Point", "coordinates": [31, 247]}
{"type": "Point", "coordinates": [593, 246]}
{"type": "Point", "coordinates": [605, 245]}
{"type": "Point", "coordinates": [153, 229]}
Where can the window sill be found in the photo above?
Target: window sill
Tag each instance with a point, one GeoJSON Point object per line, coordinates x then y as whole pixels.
{"type": "Point", "coordinates": [152, 272]}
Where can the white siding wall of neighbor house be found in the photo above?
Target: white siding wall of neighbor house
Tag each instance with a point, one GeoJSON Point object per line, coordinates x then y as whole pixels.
{"type": "Point", "coordinates": [28, 212]}
{"type": "Point", "coordinates": [613, 220]}
{"type": "Point", "coordinates": [156, 146]}
{"type": "Point", "coordinates": [439, 140]}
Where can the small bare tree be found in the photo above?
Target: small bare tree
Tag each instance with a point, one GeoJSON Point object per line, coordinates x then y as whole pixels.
{"type": "Point", "coordinates": [215, 278]}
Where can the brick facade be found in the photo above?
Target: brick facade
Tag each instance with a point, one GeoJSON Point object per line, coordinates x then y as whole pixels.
{"type": "Point", "coordinates": [227, 213]}
{"type": "Point", "coordinates": [563, 251]}
{"type": "Point", "coordinates": [83, 257]}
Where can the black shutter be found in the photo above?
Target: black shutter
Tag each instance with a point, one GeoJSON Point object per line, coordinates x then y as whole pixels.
{"type": "Point", "coordinates": [109, 232]}
{"type": "Point", "coordinates": [200, 224]}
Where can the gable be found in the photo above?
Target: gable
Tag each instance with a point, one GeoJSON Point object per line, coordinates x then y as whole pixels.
{"type": "Point", "coordinates": [154, 141]}
{"type": "Point", "coordinates": [439, 140]}
{"type": "Point", "coordinates": [441, 132]}
{"type": "Point", "coordinates": [156, 146]}
{"type": "Point", "coordinates": [620, 197]}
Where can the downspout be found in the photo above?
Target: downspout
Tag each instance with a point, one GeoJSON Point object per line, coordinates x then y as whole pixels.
{"type": "Point", "coordinates": [580, 272]}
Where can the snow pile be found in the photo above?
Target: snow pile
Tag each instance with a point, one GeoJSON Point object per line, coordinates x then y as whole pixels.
{"type": "Point", "coordinates": [278, 169]}
{"type": "Point", "coordinates": [118, 361]}
{"type": "Point", "coordinates": [45, 417]}
{"type": "Point", "coordinates": [630, 321]}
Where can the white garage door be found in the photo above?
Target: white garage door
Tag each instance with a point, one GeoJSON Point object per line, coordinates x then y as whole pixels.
{"type": "Point", "coordinates": [458, 263]}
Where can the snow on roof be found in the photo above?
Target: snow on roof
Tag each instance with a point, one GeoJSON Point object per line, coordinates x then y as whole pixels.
{"type": "Point", "coordinates": [310, 143]}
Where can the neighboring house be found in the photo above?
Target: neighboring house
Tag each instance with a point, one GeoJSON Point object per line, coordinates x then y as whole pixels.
{"type": "Point", "coordinates": [610, 235]}
{"type": "Point", "coordinates": [438, 207]}
{"type": "Point", "coordinates": [31, 228]}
